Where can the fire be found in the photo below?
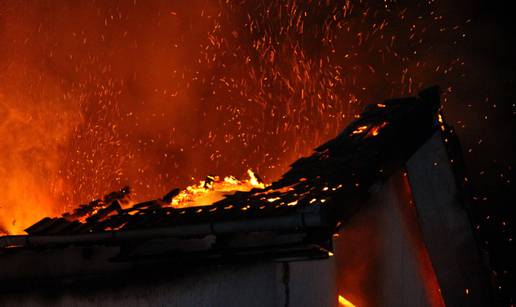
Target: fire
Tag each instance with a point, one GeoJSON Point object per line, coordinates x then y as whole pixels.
{"type": "Point", "coordinates": [204, 193]}
{"type": "Point", "coordinates": [213, 189]}
{"type": "Point", "coordinates": [344, 302]}
{"type": "Point", "coordinates": [371, 131]}
{"type": "Point", "coordinates": [360, 130]}
{"type": "Point", "coordinates": [375, 130]}
{"type": "Point", "coordinates": [92, 98]}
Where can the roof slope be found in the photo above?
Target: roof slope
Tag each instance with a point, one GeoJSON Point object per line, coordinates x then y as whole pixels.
{"type": "Point", "coordinates": [324, 188]}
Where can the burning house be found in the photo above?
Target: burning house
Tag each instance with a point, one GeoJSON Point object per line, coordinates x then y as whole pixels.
{"type": "Point", "coordinates": [373, 217]}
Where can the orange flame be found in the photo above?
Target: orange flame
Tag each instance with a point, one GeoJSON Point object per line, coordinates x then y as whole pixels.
{"type": "Point", "coordinates": [213, 189]}
{"type": "Point", "coordinates": [375, 130]}
{"type": "Point", "coordinates": [344, 302]}
{"type": "Point", "coordinates": [360, 130]}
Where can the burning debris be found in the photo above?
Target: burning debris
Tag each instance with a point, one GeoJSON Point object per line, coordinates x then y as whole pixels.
{"type": "Point", "coordinates": [206, 192]}
{"type": "Point", "coordinates": [213, 189]}
{"type": "Point", "coordinates": [318, 193]}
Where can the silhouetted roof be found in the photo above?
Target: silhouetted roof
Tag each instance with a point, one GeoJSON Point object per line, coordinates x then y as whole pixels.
{"type": "Point", "coordinates": [316, 194]}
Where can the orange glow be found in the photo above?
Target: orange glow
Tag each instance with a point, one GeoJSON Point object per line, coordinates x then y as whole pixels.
{"type": "Point", "coordinates": [344, 302]}
{"type": "Point", "coordinates": [213, 189]}
{"type": "Point", "coordinates": [101, 95]}
{"type": "Point", "coordinates": [97, 95]}
{"type": "Point", "coordinates": [441, 122]}
{"type": "Point", "coordinates": [360, 130]}
{"type": "Point", "coordinates": [432, 289]}
{"type": "Point", "coordinates": [29, 156]}
{"type": "Point", "coordinates": [375, 130]}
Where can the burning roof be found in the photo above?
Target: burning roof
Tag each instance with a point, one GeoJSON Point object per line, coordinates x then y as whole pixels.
{"type": "Point", "coordinates": [316, 195]}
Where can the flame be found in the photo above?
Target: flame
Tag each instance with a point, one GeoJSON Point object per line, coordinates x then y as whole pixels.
{"type": "Point", "coordinates": [29, 155]}
{"type": "Point", "coordinates": [214, 188]}
{"type": "Point", "coordinates": [360, 130]}
{"type": "Point", "coordinates": [375, 130]}
{"type": "Point", "coordinates": [441, 122]}
{"type": "Point", "coordinates": [344, 302]}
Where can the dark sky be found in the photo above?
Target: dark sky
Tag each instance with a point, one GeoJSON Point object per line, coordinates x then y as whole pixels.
{"type": "Point", "coordinates": [491, 163]}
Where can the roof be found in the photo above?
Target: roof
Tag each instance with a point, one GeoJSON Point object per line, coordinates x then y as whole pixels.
{"type": "Point", "coordinates": [314, 197]}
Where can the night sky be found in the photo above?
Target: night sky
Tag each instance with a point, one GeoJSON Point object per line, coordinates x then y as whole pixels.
{"type": "Point", "coordinates": [488, 145]}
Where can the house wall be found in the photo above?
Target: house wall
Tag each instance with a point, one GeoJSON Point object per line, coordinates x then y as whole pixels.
{"type": "Point", "coordinates": [412, 243]}
{"type": "Point", "coordinates": [302, 283]}
{"type": "Point", "coordinates": [379, 254]}
{"type": "Point", "coordinates": [446, 227]}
